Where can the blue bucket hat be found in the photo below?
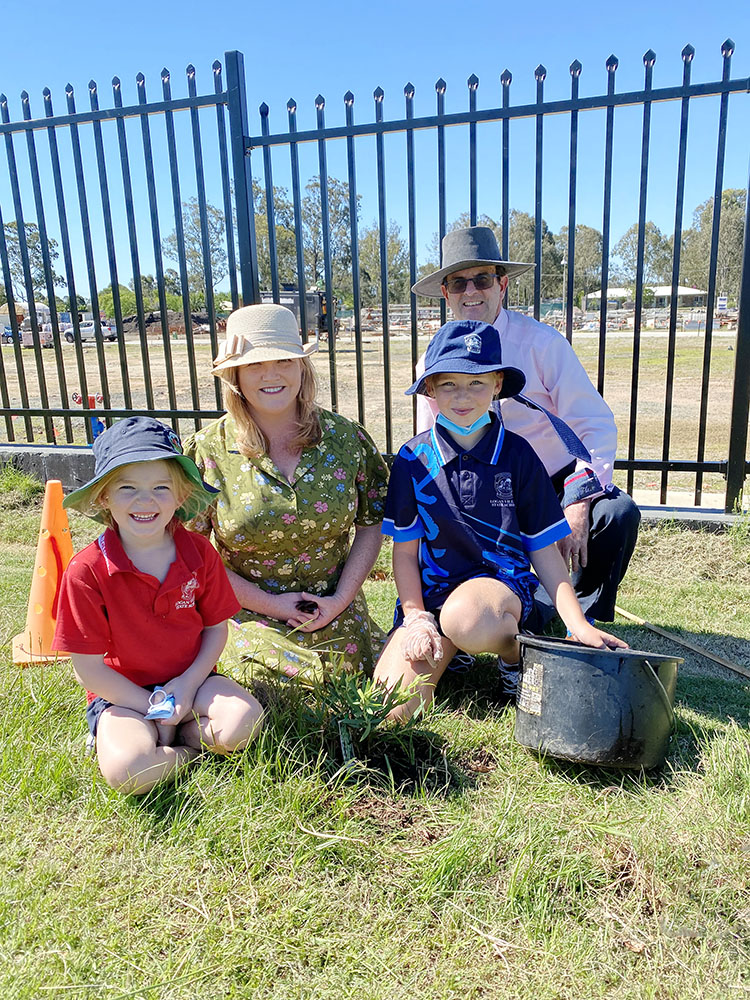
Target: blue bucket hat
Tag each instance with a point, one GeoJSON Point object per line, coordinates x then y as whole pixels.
{"type": "Point", "coordinates": [469, 347]}
{"type": "Point", "coordinates": [140, 439]}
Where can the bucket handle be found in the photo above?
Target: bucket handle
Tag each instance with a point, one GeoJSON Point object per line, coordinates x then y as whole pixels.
{"type": "Point", "coordinates": [664, 697]}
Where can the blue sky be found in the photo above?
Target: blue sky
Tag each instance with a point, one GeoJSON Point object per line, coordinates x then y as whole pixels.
{"type": "Point", "coordinates": [301, 49]}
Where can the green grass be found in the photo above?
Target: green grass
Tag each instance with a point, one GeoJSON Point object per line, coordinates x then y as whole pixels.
{"type": "Point", "coordinates": [464, 867]}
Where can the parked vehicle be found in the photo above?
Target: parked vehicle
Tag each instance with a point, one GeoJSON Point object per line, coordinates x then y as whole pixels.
{"type": "Point", "coordinates": [88, 332]}
{"type": "Point", "coordinates": [45, 336]}
{"type": "Point", "coordinates": [8, 334]}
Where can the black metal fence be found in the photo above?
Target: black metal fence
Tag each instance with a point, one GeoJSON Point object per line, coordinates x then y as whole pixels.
{"type": "Point", "coordinates": [128, 168]}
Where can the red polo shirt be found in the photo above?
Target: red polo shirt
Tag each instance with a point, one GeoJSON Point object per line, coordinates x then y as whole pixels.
{"type": "Point", "coordinates": [148, 631]}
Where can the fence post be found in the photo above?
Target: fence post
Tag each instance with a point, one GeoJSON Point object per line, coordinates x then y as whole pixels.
{"type": "Point", "coordinates": [741, 392]}
{"type": "Point", "coordinates": [243, 179]}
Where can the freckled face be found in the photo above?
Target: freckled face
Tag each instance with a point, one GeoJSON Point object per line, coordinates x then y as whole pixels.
{"type": "Point", "coordinates": [271, 387]}
{"type": "Point", "coordinates": [464, 398]}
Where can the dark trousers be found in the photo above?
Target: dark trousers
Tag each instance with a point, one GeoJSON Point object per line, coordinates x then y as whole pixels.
{"type": "Point", "coordinates": [613, 529]}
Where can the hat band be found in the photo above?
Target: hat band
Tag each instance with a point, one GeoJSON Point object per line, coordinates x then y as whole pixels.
{"type": "Point", "coordinates": [238, 344]}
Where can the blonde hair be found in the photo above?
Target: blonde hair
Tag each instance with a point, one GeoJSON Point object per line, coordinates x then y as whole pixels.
{"type": "Point", "coordinates": [182, 487]}
{"type": "Point", "coordinates": [251, 441]}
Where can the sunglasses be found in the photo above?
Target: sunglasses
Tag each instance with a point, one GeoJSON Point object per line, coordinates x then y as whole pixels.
{"type": "Point", "coordinates": [480, 282]}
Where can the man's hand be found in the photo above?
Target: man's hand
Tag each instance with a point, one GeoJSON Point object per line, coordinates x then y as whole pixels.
{"type": "Point", "coordinates": [574, 547]}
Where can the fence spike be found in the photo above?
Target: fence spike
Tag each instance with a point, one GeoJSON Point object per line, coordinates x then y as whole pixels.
{"type": "Point", "coordinates": [264, 109]}
{"type": "Point", "coordinates": [575, 68]}
{"type": "Point", "coordinates": [140, 79]}
{"type": "Point", "coordinates": [69, 90]}
{"type": "Point", "coordinates": [540, 73]}
{"type": "Point", "coordinates": [378, 93]}
{"type": "Point", "coordinates": [92, 86]}
{"type": "Point", "coordinates": [688, 52]}
{"type": "Point", "coordinates": [25, 96]}
{"type": "Point", "coordinates": [190, 70]}
{"type": "Point", "coordinates": [291, 105]}
{"type": "Point", "coordinates": [409, 90]}
{"type": "Point", "coordinates": [506, 78]}
{"type": "Point", "coordinates": [320, 102]}
{"type": "Point", "coordinates": [612, 63]}
{"type": "Point", "coordinates": [473, 82]}
{"type": "Point", "coordinates": [216, 66]}
{"type": "Point", "coordinates": [441, 86]}
{"type": "Point", "coordinates": [3, 100]}
{"type": "Point", "coordinates": [116, 83]}
{"type": "Point", "coordinates": [649, 58]}
{"type": "Point", "coordinates": [348, 98]}
{"type": "Point", "coordinates": [727, 48]}
{"type": "Point", "coordinates": [165, 75]}
{"type": "Point", "coordinates": [46, 93]}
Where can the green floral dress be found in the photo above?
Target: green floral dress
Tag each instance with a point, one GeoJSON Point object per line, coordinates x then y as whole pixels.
{"type": "Point", "coordinates": [292, 537]}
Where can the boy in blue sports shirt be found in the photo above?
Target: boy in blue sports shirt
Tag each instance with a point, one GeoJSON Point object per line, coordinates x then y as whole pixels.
{"type": "Point", "coordinates": [471, 509]}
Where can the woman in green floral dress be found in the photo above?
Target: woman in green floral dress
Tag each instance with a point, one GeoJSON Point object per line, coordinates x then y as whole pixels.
{"type": "Point", "coordinates": [295, 481]}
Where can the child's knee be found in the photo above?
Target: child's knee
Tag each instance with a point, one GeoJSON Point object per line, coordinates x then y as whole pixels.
{"type": "Point", "coordinates": [239, 721]}
{"type": "Point", "coordinates": [477, 629]}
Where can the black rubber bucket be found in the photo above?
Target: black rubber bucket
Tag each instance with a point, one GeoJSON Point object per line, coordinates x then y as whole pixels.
{"type": "Point", "coordinates": [595, 706]}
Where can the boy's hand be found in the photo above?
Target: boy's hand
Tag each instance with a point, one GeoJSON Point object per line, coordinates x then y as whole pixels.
{"type": "Point", "coordinates": [589, 635]}
{"type": "Point", "coordinates": [184, 696]}
{"type": "Point", "coordinates": [421, 640]}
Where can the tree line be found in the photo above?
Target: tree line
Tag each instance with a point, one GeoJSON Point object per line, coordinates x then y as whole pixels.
{"type": "Point", "coordinates": [587, 262]}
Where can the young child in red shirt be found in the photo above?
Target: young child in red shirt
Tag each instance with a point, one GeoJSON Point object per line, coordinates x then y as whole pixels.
{"type": "Point", "coordinates": [143, 612]}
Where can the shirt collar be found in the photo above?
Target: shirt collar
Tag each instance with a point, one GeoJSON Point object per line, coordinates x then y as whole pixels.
{"type": "Point", "coordinates": [118, 561]}
{"type": "Point", "coordinates": [487, 449]}
{"type": "Point", "coordinates": [501, 321]}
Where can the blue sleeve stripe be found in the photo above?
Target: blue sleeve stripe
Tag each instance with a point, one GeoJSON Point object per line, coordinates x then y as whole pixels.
{"type": "Point", "coordinates": [411, 531]}
{"type": "Point", "coordinates": [544, 538]}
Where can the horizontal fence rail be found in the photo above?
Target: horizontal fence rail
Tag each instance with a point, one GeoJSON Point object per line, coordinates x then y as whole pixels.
{"type": "Point", "coordinates": [164, 214]}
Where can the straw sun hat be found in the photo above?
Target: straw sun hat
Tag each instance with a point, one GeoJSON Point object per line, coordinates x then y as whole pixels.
{"type": "Point", "coordinates": [260, 333]}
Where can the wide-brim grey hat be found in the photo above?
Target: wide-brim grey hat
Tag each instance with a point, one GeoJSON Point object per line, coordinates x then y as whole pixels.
{"type": "Point", "coordinates": [260, 333]}
{"type": "Point", "coordinates": [463, 248]}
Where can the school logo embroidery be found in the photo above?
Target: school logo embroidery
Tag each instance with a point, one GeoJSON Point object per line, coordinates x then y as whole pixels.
{"type": "Point", "coordinates": [174, 441]}
{"type": "Point", "coordinates": [473, 343]}
{"type": "Point", "coordinates": [187, 600]}
{"type": "Point", "coordinates": [503, 491]}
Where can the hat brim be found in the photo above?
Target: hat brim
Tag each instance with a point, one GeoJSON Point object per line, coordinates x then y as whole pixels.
{"type": "Point", "coordinates": [256, 355]}
{"type": "Point", "coordinates": [202, 497]}
{"type": "Point", "coordinates": [431, 285]}
{"type": "Point", "coordinates": [514, 379]}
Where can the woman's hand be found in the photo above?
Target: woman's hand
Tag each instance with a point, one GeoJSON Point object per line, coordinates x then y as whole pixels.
{"type": "Point", "coordinates": [329, 608]}
{"type": "Point", "coordinates": [295, 609]}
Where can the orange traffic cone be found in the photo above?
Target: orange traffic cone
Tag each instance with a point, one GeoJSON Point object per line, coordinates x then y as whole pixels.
{"type": "Point", "coordinates": [53, 553]}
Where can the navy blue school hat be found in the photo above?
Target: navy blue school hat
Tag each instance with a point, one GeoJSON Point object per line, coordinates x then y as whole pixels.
{"type": "Point", "coordinates": [141, 439]}
{"type": "Point", "coordinates": [469, 347]}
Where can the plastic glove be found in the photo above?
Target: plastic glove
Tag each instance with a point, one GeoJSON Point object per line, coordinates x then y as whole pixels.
{"type": "Point", "coordinates": [422, 640]}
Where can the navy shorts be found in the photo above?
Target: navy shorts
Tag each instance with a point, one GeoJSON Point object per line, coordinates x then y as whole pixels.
{"type": "Point", "coordinates": [523, 592]}
{"type": "Point", "coordinates": [94, 711]}
{"type": "Point", "coordinates": [95, 708]}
